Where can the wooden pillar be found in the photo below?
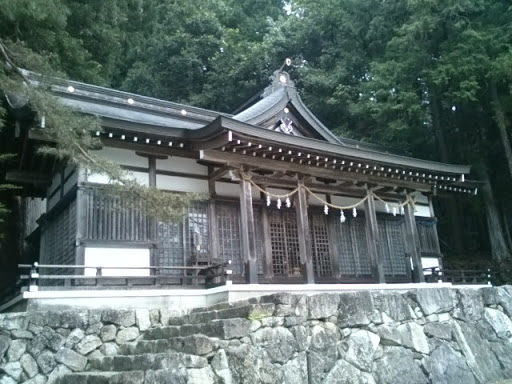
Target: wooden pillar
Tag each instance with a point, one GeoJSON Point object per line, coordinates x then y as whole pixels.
{"type": "Point", "coordinates": [413, 244]}
{"type": "Point", "coordinates": [152, 222]}
{"type": "Point", "coordinates": [306, 256]}
{"type": "Point", "coordinates": [81, 219]}
{"type": "Point", "coordinates": [248, 232]}
{"type": "Point", "coordinates": [268, 266]}
{"type": "Point", "coordinates": [372, 237]}
{"type": "Point", "coordinates": [333, 241]}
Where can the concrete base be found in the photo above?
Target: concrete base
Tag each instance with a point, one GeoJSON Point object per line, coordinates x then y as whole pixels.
{"type": "Point", "coordinates": [185, 299]}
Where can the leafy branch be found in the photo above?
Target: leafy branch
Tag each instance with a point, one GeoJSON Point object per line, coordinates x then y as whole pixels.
{"type": "Point", "coordinates": [72, 140]}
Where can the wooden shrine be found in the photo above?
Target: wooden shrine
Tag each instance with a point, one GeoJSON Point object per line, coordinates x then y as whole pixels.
{"type": "Point", "coordinates": [289, 201]}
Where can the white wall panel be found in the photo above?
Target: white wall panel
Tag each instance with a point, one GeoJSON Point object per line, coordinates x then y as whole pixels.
{"type": "Point", "coordinates": [181, 184]}
{"type": "Point", "coordinates": [115, 257]}
{"type": "Point", "coordinates": [122, 156]}
{"type": "Point", "coordinates": [180, 164]}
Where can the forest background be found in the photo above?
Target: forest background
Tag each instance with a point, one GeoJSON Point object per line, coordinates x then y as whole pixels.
{"type": "Point", "coordinates": [431, 78]}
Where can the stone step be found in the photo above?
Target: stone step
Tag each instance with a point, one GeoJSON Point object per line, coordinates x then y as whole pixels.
{"type": "Point", "coordinates": [250, 311]}
{"type": "Point", "coordinates": [132, 377]}
{"type": "Point", "coordinates": [159, 376]}
{"type": "Point", "coordinates": [196, 345]}
{"type": "Point", "coordinates": [223, 329]}
{"type": "Point", "coordinates": [145, 362]}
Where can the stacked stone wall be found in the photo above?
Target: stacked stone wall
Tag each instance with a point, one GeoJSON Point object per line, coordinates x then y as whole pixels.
{"type": "Point", "coordinates": [421, 336]}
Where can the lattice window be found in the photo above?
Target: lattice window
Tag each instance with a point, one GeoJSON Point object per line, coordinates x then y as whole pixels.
{"type": "Point", "coordinates": [427, 233]}
{"type": "Point", "coordinates": [178, 243]}
{"type": "Point", "coordinates": [353, 248]}
{"type": "Point", "coordinates": [170, 250]}
{"type": "Point", "coordinates": [228, 223]}
{"type": "Point", "coordinates": [285, 242]}
{"type": "Point", "coordinates": [197, 224]}
{"type": "Point", "coordinates": [320, 244]}
{"type": "Point", "coordinates": [391, 246]}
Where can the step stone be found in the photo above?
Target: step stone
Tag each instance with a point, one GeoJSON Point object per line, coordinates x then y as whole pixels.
{"type": "Point", "coordinates": [196, 345]}
{"type": "Point", "coordinates": [147, 361]}
{"type": "Point", "coordinates": [244, 312]}
{"type": "Point", "coordinates": [132, 377]}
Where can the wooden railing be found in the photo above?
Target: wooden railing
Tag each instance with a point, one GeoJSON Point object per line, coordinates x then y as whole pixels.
{"type": "Point", "coordinates": [207, 276]}
{"type": "Point", "coordinates": [458, 276]}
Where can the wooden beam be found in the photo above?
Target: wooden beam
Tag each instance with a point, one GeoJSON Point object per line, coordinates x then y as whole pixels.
{"type": "Point", "coordinates": [306, 257]}
{"type": "Point", "coordinates": [372, 237]}
{"type": "Point", "coordinates": [211, 182]}
{"type": "Point", "coordinates": [152, 171]}
{"type": "Point", "coordinates": [413, 244]}
{"type": "Point", "coordinates": [219, 173]}
{"type": "Point", "coordinates": [24, 177]}
{"type": "Point", "coordinates": [248, 232]}
{"type": "Point", "coordinates": [337, 174]}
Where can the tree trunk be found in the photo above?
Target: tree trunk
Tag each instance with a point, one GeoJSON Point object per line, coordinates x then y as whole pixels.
{"type": "Point", "coordinates": [499, 249]}
{"type": "Point", "coordinates": [454, 216]}
{"type": "Point", "coordinates": [499, 117]}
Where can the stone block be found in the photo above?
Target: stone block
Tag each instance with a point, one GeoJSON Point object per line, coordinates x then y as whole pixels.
{"type": "Point", "coordinates": [108, 332]}
{"type": "Point", "coordinates": [343, 372]}
{"type": "Point", "coordinates": [19, 334]}
{"type": "Point", "coordinates": [142, 319]}
{"type": "Point", "coordinates": [278, 342]}
{"type": "Point", "coordinates": [127, 334]}
{"type": "Point", "coordinates": [109, 349]}
{"type": "Point", "coordinates": [57, 373]}
{"type": "Point", "coordinates": [413, 337]}
{"type": "Point", "coordinates": [397, 366]}
{"type": "Point", "coordinates": [434, 300]}
{"type": "Point", "coordinates": [88, 344]}
{"type": "Point", "coordinates": [361, 347]}
{"type": "Point", "coordinates": [5, 342]}
{"type": "Point", "coordinates": [323, 305]}
{"type": "Point", "coordinates": [355, 309]}
{"type": "Point", "coordinates": [499, 322]}
{"type": "Point", "coordinates": [29, 365]}
{"type": "Point", "coordinates": [125, 318]}
{"type": "Point", "coordinates": [74, 337]}
{"type": "Point", "coordinates": [393, 305]}
{"type": "Point", "coordinates": [446, 366]}
{"type": "Point", "coordinates": [13, 369]}
{"type": "Point", "coordinates": [71, 359]}
{"type": "Point", "coordinates": [16, 350]}
{"type": "Point", "coordinates": [54, 341]}
{"type": "Point", "coordinates": [46, 361]}
{"type": "Point", "coordinates": [441, 331]}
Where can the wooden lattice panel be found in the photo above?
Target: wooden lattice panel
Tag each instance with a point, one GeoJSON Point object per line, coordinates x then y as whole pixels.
{"type": "Point", "coordinates": [285, 242]}
{"type": "Point", "coordinates": [353, 247]}
{"type": "Point", "coordinates": [170, 250]}
{"type": "Point", "coordinates": [391, 246]}
{"type": "Point", "coordinates": [427, 233]}
{"type": "Point", "coordinates": [59, 240]}
{"type": "Point", "coordinates": [114, 218]}
{"type": "Point", "coordinates": [228, 223]}
{"type": "Point", "coordinates": [320, 243]}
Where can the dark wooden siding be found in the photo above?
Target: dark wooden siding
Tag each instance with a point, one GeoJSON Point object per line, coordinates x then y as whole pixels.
{"type": "Point", "coordinates": [60, 236]}
{"type": "Point", "coordinates": [113, 218]}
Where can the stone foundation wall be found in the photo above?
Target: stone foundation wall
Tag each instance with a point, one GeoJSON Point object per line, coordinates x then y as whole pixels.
{"type": "Point", "coordinates": [422, 336]}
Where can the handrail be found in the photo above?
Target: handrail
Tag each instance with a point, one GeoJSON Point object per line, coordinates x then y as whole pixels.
{"type": "Point", "coordinates": [217, 270]}
{"type": "Point", "coordinates": [459, 276]}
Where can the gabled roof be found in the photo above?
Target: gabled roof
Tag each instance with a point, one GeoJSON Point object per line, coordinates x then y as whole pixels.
{"type": "Point", "coordinates": [280, 94]}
